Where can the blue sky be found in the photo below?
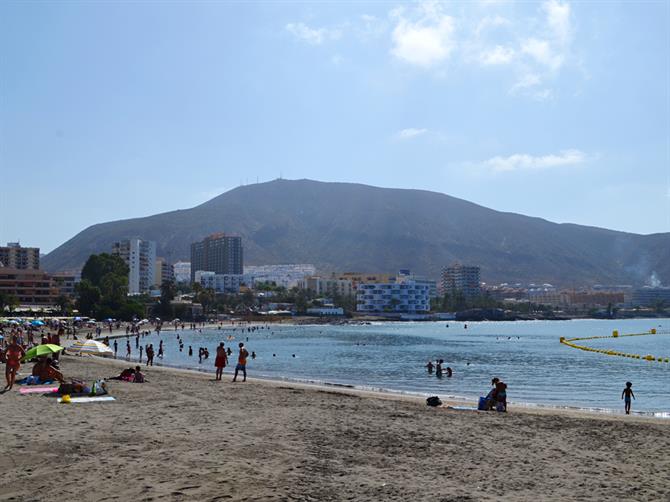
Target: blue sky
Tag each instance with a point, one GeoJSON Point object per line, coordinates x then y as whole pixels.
{"type": "Point", "coordinates": [113, 110]}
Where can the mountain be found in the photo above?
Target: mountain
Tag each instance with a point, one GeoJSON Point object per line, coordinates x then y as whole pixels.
{"type": "Point", "coordinates": [351, 227]}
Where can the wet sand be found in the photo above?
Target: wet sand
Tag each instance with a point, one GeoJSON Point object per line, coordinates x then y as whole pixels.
{"type": "Point", "coordinates": [183, 436]}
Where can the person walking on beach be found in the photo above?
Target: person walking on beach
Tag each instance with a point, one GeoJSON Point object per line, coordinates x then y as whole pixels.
{"type": "Point", "coordinates": [160, 349]}
{"type": "Point", "coordinates": [116, 348]}
{"type": "Point", "coordinates": [128, 349]}
{"type": "Point", "coordinates": [626, 396]}
{"type": "Point", "coordinates": [220, 361]}
{"type": "Point", "coordinates": [13, 356]}
{"type": "Point", "coordinates": [241, 363]}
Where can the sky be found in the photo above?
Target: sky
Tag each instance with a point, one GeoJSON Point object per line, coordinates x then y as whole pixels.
{"type": "Point", "coordinates": [113, 110]}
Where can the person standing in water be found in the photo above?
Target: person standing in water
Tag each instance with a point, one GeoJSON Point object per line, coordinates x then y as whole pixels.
{"type": "Point", "coordinates": [429, 367]}
{"type": "Point", "coordinates": [220, 361]}
{"type": "Point", "coordinates": [626, 395]}
{"type": "Point", "coordinates": [241, 363]}
{"type": "Point", "coordinates": [438, 368]}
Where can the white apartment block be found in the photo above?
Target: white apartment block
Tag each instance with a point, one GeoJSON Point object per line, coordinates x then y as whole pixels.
{"type": "Point", "coordinates": [407, 297]}
{"type": "Point", "coordinates": [140, 256]}
{"type": "Point", "coordinates": [221, 283]}
{"type": "Point", "coordinates": [287, 275]}
{"type": "Point", "coordinates": [182, 271]}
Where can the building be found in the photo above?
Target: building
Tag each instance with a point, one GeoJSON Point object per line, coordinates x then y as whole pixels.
{"type": "Point", "coordinates": [325, 311]}
{"type": "Point", "coordinates": [286, 276]}
{"type": "Point", "coordinates": [219, 253]}
{"type": "Point", "coordinates": [461, 279]}
{"type": "Point", "coordinates": [406, 297]}
{"type": "Point", "coordinates": [30, 287]}
{"type": "Point", "coordinates": [221, 283]}
{"type": "Point", "coordinates": [357, 278]}
{"type": "Point", "coordinates": [406, 275]}
{"type": "Point", "coordinates": [140, 256]}
{"type": "Point", "coordinates": [182, 271]}
{"type": "Point", "coordinates": [326, 287]}
{"type": "Point", "coordinates": [649, 296]}
{"type": "Point", "coordinates": [13, 255]}
{"type": "Point", "coordinates": [162, 272]}
{"type": "Point", "coordinates": [66, 282]}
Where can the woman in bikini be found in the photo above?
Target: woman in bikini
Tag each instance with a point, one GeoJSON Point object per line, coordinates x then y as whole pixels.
{"type": "Point", "coordinates": [13, 357]}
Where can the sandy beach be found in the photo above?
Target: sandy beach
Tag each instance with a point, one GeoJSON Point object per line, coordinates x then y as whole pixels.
{"type": "Point", "coordinates": [183, 436]}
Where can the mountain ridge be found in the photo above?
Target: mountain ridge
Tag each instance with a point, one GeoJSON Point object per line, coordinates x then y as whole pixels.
{"type": "Point", "coordinates": [347, 226]}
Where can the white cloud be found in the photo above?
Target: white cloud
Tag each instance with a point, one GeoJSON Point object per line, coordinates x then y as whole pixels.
{"type": "Point", "coordinates": [426, 41]}
{"type": "Point", "coordinates": [558, 19]}
{"type": "Point", "coordinates": [542, 52]}
{"type": "Point", "coordinates": [313, 36]}
{"type": "Point", "coordinates": [523, 161]}
{"type": "Point", "coordinates": [497, 56]}
{"type": "Point", "coordinates": [410, 133]}
{"type": "Point", "coordinates": [490, 22]}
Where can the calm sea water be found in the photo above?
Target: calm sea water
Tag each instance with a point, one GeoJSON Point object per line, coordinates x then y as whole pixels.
{"type": "Point", "coordinates": [526, 355]}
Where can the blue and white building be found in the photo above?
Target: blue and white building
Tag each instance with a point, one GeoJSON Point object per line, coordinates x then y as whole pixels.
{"type": "Point", "coordinates": [221, 283]}
{"type": "Point", "coordinates": [405, 297]}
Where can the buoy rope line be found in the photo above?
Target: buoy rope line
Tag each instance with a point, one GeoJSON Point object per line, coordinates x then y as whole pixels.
{"type": "Point", "coordinates": [609, 352]}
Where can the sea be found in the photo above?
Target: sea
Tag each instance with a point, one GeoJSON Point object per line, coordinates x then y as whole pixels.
{"type": "Point", "coordinates": [392, 356]}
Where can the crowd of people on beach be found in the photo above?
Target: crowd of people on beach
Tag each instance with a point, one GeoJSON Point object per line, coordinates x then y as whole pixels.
{"type": "Point", "coordinates": [16, 339]}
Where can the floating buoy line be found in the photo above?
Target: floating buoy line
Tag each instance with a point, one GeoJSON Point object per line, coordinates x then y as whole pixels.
{"type": "Point", "coordinates": [608, 352]}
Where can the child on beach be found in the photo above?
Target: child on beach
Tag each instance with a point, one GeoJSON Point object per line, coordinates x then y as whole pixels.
{"type": "Point", "coordinates": [626, 395]}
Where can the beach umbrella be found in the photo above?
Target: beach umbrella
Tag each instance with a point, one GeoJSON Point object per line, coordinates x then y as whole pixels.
{"type": "Point", "coordinates": [42, 350]}
{"type": "Point", "coordinates": [91, 347]}
{"type": "Point", "coordinates": [37, 322]}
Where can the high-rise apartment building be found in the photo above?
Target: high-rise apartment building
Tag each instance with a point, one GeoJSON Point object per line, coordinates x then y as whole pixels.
{"type": "Point", "coordinates": [163, 272]}
{"type": "Point", "coordinates": [461, 279]}
{"type": "Point", "coordinates": [140, 256]}
{"type": "Point", "coordinates": [218, 253]}
{"type": "Point", "coordinates": [13, 255]}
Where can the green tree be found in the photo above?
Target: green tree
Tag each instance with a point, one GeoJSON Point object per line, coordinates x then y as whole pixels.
{"type": "Point", "coordinates": [88, 297]}
{"type": "Point", "coordinates": [100, 265]}
{"type": "Point", "coordinates": [8, 301]}
{"type": "Point", "coordinates": [64, 304]}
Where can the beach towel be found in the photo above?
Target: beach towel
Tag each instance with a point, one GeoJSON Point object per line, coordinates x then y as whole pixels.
{"type": "Point", "coordinates": [35, 390]}
{"type": "Point", "coordinates": [463, 408]}
{"type": "Point", "coordinates": [95, 399]}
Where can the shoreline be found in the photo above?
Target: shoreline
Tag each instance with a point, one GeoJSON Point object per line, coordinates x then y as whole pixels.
{"type": "Point", "coordinates": [391, 394]}
{"type": "Point", "coordinates": [184, 436]}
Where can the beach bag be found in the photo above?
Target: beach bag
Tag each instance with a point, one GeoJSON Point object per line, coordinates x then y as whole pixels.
{"type": "Point", "coordinates": [482, 404]}
{"type": "Point", "coordinates": [433, 401]}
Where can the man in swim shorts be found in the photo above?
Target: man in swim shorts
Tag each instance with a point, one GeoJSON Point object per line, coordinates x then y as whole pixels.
{"type": "Point", "coordinates": [13, 357]}
{"type": "Point", "coordinates": [241, 363]}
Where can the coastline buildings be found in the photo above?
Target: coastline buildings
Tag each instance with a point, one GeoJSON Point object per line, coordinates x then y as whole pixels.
{"type": "Point", "coordinates": [649, 296]}
{"type": "Point", "coordinates": [182, 271]}
{"type": "Point", "coordinates": [219, 253]}
{"type": "Point", "coordinates": [286, 276]}
{"type": "Point", "coordinates": [30, 287]}
{"type": "Point", "coordinates": [461, 279]}
{"type": "Point", "coordinates": [13, 255]}
{"type": "Point", "coordinates": [140, 256]}
{"type": "Point", "coordinates": [220, 283]}
{"type": "Point", "coordinates": [162, 272]}
{"type": "Point", "coordinates": [406, 297]}
{"type": "Point", "coordinates": [326, 287]}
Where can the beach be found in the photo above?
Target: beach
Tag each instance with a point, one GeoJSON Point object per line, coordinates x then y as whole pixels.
{"type": "Point", "coordinates": [183, 436]}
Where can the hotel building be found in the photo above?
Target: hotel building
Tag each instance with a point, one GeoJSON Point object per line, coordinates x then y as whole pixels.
{"type": "Point", "coordinates": [140, 256]}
